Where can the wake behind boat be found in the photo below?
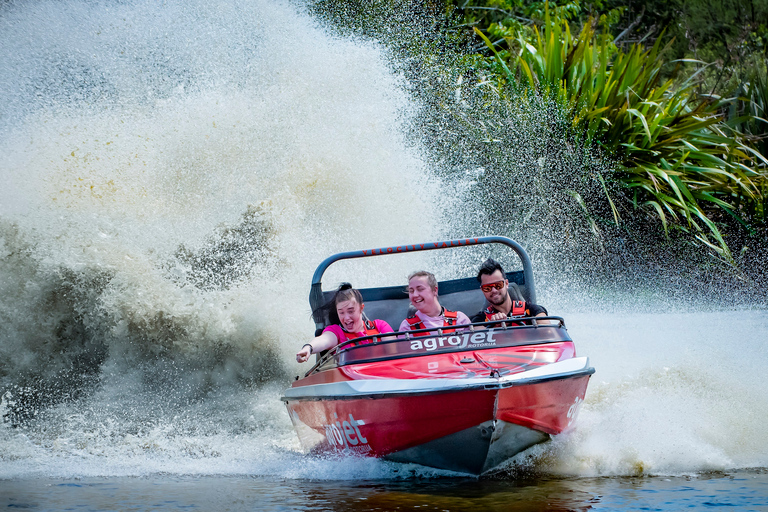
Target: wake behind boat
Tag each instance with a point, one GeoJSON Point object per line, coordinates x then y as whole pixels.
{"type": "Point", "coordinates": [465, 400]}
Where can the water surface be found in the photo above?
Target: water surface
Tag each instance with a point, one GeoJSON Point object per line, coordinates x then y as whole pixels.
{"type": "Point", "coordinates": [741, 490]}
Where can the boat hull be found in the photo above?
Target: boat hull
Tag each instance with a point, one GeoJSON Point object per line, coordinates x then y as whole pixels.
{"type": "Point", "coordinates": [468, 425]}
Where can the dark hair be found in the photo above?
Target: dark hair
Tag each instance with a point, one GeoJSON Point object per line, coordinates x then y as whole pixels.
{"type": "Point", "coordinates": [344, 292]}
{"type": "Point", "coordinates": [488, 267]}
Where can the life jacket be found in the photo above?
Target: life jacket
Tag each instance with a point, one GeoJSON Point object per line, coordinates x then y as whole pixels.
{"type": "Point", "coordinates": [449, 318]}
{"type": "Point", "coordinates": [370, 330]}
{"type": "Point", "coordinates": [518, 309]}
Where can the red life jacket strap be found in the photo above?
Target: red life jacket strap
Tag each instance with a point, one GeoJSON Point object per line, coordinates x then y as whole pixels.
{"type": "Point", "coordinates": [518, 309]}
{"type": "Point", "coordinates": [370, 328]}
{"type": "Point", "coordinates": [415, 322]}
{"type": "Point", "coordinates": [449, 318]}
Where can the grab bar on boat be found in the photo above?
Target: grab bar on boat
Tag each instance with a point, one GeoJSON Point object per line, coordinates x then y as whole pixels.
{"type": "Point", "coordinates": [395, 336]}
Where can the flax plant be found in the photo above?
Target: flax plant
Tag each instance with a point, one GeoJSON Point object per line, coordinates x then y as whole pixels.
{"type": "Point", "coordinates": [675, 158]}
{"type": "Point", "coordinates": [748, 117]}
{"type": "Point", "coordinates": [748, 110]}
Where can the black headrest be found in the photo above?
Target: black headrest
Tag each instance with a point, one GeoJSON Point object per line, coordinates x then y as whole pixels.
{"type": "Point", "coordinates": [391, 303]}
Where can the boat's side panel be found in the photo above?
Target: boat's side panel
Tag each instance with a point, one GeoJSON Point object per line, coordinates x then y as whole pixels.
{"type": "Point", "coordinates": [381, 426]}
{"type": "Point", "coordinates": [472, 430]}
{"type": "Point", "coordinates": [469, 425]}
{"type": "Point", "coordinates": [550, 406]}
{"type": "Point", "coordinates": [525, 415]}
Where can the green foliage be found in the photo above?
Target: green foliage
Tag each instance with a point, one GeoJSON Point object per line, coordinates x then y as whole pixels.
{"type": "Point", "coordinates": [729, 35]}
{"type": "Point", "coordinates": [504, 19]}
{"type": "Point", "coordinates": [748, 110]}
{"type": "Point", "coordinates": [677, 159]}
{"type": "Point", "coordinates": [748, 116]}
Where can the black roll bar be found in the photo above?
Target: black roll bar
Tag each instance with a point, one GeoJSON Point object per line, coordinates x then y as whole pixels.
{"type": "Point", "coordinates": [316, 291]}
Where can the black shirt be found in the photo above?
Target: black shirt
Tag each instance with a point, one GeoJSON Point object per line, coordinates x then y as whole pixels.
{"type": "Point", "coordinates": [530, 310]}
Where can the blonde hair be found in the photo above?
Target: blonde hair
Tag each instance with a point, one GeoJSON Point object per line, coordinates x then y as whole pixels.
{"type": "Point", "coordinates": [431, 280]}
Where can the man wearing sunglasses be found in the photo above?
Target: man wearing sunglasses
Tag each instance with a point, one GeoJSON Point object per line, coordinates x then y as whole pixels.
{"type": "Point", "coordinates": [495, 287]}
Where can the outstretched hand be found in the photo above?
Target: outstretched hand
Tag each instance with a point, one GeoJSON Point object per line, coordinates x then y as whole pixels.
{"type": "Point", "coordinates": [303, 354]}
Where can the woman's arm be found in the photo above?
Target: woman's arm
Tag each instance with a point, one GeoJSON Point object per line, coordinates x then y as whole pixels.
{"type": "Point", "coordinates": [383, 327]}
{"type": "Point", "coordinates": [323, 342]}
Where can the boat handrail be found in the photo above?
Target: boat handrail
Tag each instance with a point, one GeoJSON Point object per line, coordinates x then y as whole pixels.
{"type": "Point", "coordinates": [400, 336]}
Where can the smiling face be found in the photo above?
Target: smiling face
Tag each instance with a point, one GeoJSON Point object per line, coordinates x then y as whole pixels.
{"type": "Point", "coordinates": [351, 315]}
{"type": "Point", "coordinates": [498, 293]}
{"type": "Point", "coordinates": [423, 296]}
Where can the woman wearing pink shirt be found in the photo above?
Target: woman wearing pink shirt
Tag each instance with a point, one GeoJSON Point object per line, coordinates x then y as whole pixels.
{"type": "Point", "coordinates": [349, 322]}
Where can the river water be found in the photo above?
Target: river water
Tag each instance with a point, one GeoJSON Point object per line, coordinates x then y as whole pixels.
{"type": "Point", "coordinates": [738, 491]}
{"type": "Point", "coordinates": [173, 173]}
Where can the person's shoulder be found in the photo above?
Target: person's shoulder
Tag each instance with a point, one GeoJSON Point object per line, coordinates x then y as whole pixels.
{"type": "Point", "coordinates": [478, 317]}
{"type": "Point", "coordinates": [383, 326]}
{"type": "Point", "coordinates": [536, 309]}
{"type": "Point", "coordinates": [462, 318]}
{"type": "Point", "coordinates": [335, 329]}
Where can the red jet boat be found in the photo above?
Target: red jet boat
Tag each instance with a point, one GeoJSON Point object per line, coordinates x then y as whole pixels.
{"type": "Point", "coordinates": [466, 401]}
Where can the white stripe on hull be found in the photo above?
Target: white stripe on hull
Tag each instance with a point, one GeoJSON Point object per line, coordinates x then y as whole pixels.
{"type": "Point", "coordinates": [364, 387]}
